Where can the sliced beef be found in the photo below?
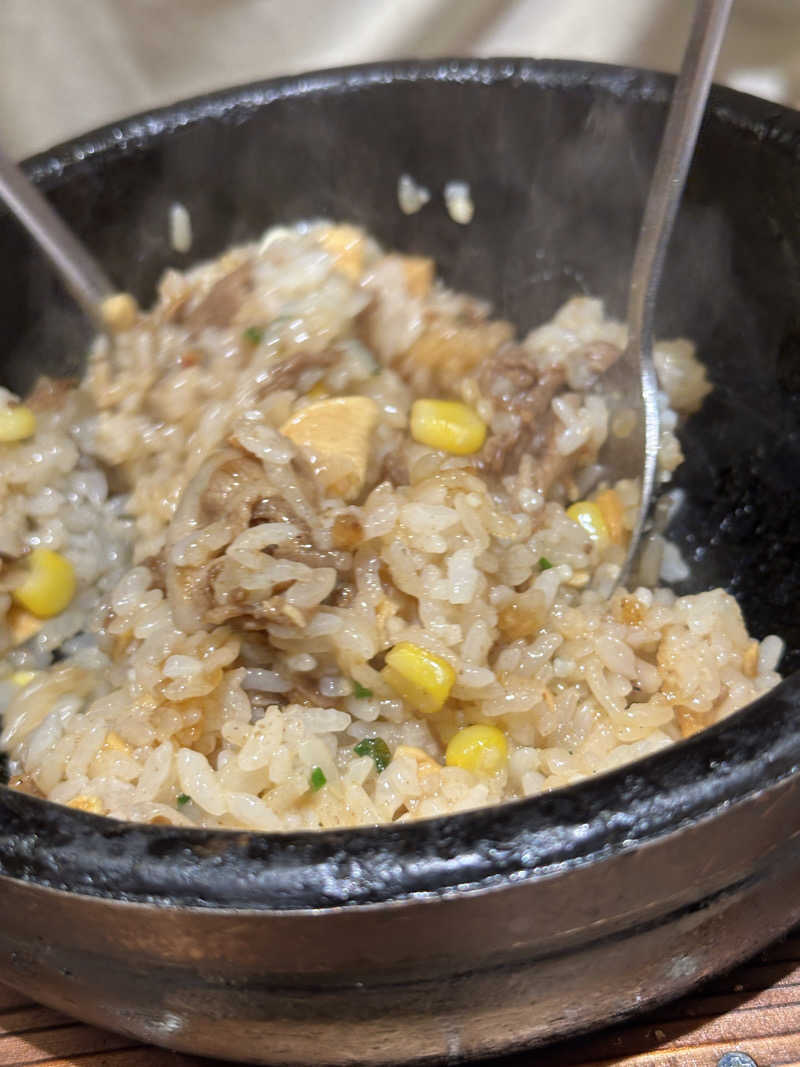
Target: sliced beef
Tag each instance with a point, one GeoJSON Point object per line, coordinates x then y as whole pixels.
{"type": "Point", "coordinates": [283, 373]}
{"type": "Point", "coordinates": [233, 491]}
{"type": "Point", "coordinates": [221, 303]}
{"type": "Point", "coordinates": [516, 385]}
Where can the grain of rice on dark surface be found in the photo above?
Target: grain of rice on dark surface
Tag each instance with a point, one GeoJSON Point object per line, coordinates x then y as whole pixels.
{"type": "Point", "coordinates": [223, 661]}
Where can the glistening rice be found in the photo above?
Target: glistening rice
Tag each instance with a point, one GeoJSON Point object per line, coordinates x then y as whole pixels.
{"type": "Point", "coordinates": [298, 585]}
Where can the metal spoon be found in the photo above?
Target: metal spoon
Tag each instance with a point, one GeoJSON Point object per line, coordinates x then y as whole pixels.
{"type": "Point", "coordinates": [80, 272]}
{"type": "Point", "coordinates": [635, 380]}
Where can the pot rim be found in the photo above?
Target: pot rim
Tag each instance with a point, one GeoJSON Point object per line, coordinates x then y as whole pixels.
{"type": "Point", "coordinates": [484, 848]}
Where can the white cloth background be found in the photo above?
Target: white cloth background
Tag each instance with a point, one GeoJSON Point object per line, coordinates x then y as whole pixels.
{"type": "Point", "coordinates": [68, 65]}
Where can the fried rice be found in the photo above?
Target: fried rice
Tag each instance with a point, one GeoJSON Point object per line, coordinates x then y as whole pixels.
{"type": "Point", "coordinates": [304, 593]}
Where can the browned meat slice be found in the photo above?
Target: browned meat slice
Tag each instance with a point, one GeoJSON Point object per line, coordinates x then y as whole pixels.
{"type": "Point", "coordinates": [516, 385]}
{"type": "Point", "coordinates": [240, 608]}
{"type": "Point", "coordinates": [304, 691]}
{"type": "Point", "coordinates": [301, 548]}
{"type": "Point", "coordinates": [232, 492]}
{"type": "Point", "coordinates": [234, 488]}
{"type": "Point", "coordinates": [157, 567]}
{"type": "Point", "coordinates": [283, 373]}
{"type": "Point", "coordinates": [503, 452]}
{"type": "Point", "coordinates": [394, 468]}
{"type": "Point", "coordinates": [220, 304]}
{"type": "Point", "coordinates": [551, 465]}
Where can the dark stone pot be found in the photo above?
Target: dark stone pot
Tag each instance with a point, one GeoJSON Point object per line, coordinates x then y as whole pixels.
{"type": "Point", "coordinates": [494, 929]}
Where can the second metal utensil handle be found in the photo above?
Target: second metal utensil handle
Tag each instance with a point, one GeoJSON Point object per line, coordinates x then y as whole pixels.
{"type": "Point", "coordinates": [79, 271]}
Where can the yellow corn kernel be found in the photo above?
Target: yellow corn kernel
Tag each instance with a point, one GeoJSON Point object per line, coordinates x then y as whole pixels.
{"type": "Point", "coordinates": [590, 517]}
{"type": "Point", "coordinates": [422, 679]}
{"type": "Point", "coordinates": [345, 244]}
{"type": "Point", "coordinates": [319, 391]}
{"type": "Point", "coordinates": [85, 803]}
{"type": "Point", "coordinates": [17, 423]}
{"type": "Point", "coordinates": [119, 312]}
{"type": "Point", "coordinates": [49, 585]}
{"type": "Point", "coordinates": [611, 509]}
{"type": "Point", "coordinates": [480, 749]}
{"type": "Point", "coordinates": [448, 425]}
{"type": "Point", "coordinates": [22, 678]}
{"type": "Point", "coordinates": [114, 743]}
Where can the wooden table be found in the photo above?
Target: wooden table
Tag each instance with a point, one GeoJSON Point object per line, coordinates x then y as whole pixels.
{"type": "Point", "coordinates": [755, 1009]}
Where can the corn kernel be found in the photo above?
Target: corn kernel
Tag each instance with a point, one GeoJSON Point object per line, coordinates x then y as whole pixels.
{"type": "Point", "coordinates": [611, 509]}
{"type": "Point", "coordinates": [119, 312]}
{"type": "Point", "coordinates": [422, 679]}
{"type": "Point", "coordinates": [590, 517]}
{"type": "Point", "coordinates": [17, 423]}
{"type": "Point", "coordinates": [22, 678]}
{"type": "Point", "coordinates": [85, 803]}
{"type": "Point", "coordinates": [345, 244]}
{"type": "Point", "coordinates": [480, 749]}
{"type": "Point", "coordinates": [49, 585]}
{"type": "Point", "coordinates": [448, 425]}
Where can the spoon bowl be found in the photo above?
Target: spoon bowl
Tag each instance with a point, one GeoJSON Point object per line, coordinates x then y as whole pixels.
{"type": "Point", "coordinates": [635, 387]}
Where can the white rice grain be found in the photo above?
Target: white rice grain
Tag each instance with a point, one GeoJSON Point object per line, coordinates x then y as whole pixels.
{"type": "Point", "coordinates": [411, 196]}
{"type": "Point", "coordinates": [180, 228]}
{"type": "Point", "coordinates": [459, 203]}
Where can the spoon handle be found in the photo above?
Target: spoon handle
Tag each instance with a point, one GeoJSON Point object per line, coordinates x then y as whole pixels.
{"type": "Point", "coordinates": [677, 147]}
{"type": "Point", "coordinates": [79, 271]}
{"type": "Point", "coordinates": [666, 187]}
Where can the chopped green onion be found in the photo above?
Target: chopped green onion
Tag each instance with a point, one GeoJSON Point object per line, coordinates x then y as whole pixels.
{"type": "Point", "coordinates": [361, 692]}
{"type": "Point", "coordinates": [377, 748]}
{"type": "Point", "coordinates": [182, 798]}
{"type": "Point", "coordinates": [253, 334]}
{"type": "Point", "coordinates": [544, 564]}
{"type": "Point", "coordinates": [317, 779]}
